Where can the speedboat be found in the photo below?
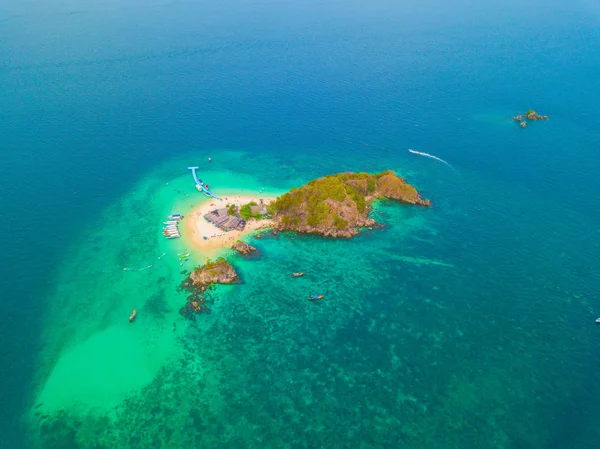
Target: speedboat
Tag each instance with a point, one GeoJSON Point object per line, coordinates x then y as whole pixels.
{"type": "Point", "coordinates": [597, 320]}
{"type": "Point", "coordinates": [132, 316]}
{"type": "Point", "coordinates": [297, 275]}
{"type": "Point", "coordinates": [315, 297]}
{"type": "Point", "coordinates": [175, 217]}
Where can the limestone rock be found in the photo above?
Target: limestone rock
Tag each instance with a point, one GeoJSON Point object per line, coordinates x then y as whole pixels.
{"type": "Point", "coordinates": [217, 272]}
{"type": "Point", "coordinates": [243, 248]}
{"type": "Point", "coordinates": [338, 205]}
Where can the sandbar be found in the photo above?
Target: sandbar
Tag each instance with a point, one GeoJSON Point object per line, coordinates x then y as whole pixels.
{"type": "Point", "coordinates": [197, 227]}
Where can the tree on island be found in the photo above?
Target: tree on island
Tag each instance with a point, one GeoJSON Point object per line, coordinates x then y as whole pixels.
{"type": "Point", "coordinates": [338, 205]}
{"type": "Point", "coordinates": [246, 211]}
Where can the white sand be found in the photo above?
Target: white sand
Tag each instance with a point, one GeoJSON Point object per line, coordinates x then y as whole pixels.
{"type": "Point", "coordinates": [197, 227]}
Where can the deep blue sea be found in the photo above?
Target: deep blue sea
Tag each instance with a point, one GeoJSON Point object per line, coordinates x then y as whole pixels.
{"type": "Point", "coordinates": [467, 325]}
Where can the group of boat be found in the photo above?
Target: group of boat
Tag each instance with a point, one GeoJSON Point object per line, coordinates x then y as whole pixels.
{"type": "Point", "coordinates": [311, 297]}
{"type": "Point", "coordinates": [171, 226]}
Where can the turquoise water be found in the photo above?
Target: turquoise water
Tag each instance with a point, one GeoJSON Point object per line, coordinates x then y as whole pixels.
{"type": "Point", "coordinates": [466, 325]}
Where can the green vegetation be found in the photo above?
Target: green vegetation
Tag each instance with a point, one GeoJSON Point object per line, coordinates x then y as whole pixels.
{"type": "Point", "coordinates": [317, 197]}
{"type": "Point", "coordinates": [231, 209]}
{"type": "Point", "coordinates": [246, 211]}
{"type": "Point", "coordinates": [214, 263]}
{"type": "Point", "coordinates": [337, 204]}
{"type": "Point", "coordinates": [339, 222]}
{"type": "Point", "coordinates": [370, 185]}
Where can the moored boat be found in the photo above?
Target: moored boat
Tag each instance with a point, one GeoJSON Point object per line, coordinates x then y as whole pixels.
{"type": "Point", "coordinates": [133, 315]}
{"type": "Point", "coordinates": [315, 297]}
{"type": "Point", "coordinates": [297, 275]}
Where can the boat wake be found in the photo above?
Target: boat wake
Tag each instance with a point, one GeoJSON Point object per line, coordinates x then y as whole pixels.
{"type": "Point", "coordinates": [432, 157]}
{"type": "Point", "coordinates": [137, 269]}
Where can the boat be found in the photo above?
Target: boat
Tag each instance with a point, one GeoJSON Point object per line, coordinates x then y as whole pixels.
{"type": "Point", "coordinates": [297, 275]}
{"type": "Point", "coordinates": [175, 217]}
{"type": "Point", "coordinates": [597, 320]}
{"type": "Point", "coordinates": [132, 316]}
{"type": "Point", "coordinates": [170, 222]}
{"type": "Point", "coordinates": [315, 297]}
{"type": "Point", "coordinates": [173, 236]}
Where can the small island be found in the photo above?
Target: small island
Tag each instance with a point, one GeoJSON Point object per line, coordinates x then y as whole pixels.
{"type": "Point", "coordinates": [529, 115]}
{"type": "Point", "coordinates": [339, 205]}
{"type": "Point", "coordinates": [201, 279]}
{"type": "Point", "coordinates": [335, 206]}
{"type": "Point", "coordinates": [212, 272]}
{"type": "Point", "coordinates": [332, 206]}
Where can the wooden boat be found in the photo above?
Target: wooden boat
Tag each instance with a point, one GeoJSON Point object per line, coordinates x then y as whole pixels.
{"type": "Point", "coordinates": [132, 316]}
{"type": "Point", "coordinates": [315, 297]}
{"type": "Point", "coordinates": [297, 275]}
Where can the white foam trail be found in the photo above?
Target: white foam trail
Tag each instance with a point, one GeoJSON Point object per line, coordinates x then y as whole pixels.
{"type": "Point", "coordinates": [431, 156]}
{"type": "Point", "coordinates": [137, 269]}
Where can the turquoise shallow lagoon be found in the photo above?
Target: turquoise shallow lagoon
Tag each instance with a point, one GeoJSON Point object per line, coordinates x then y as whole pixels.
{"type": "Point", "coordinates": [469, 324]}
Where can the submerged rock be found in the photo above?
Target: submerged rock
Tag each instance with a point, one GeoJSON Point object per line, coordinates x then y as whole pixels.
{"type": "Point", "coordinates": [243, 248]}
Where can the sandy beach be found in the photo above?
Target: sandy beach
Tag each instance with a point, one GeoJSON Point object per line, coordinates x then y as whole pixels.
{"type": "Point", "coordinates": [197, 227]}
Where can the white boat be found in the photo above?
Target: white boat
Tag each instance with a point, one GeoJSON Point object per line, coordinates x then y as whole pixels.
{"type": "Point", "coordinates": [170, 222]}
{"type": "Point", "coordinates": [175, 217]}
{"type": "Point", "coordinates": [171, 227]}
{"type": "Point", "coordinates": [173, 236]}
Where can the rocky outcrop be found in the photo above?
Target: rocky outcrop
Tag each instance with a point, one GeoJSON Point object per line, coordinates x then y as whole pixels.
{"type": "Point", "coordinates": [339, 205]}
{"type": "Point", "coordinates": [243, 248]}
{"type": "Point", "coordinates": [529, 115]}
{"type": "Point", "coordinates": [217, 272]}
{"type": "Point", "coordinates": [389, 185]}
{"type": "Point", "coordinates": [200, 279]}
{"type": "Point", "coordinates": [532, 115]}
